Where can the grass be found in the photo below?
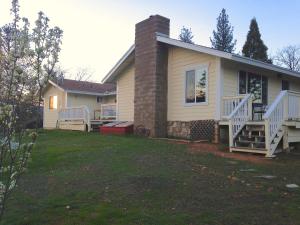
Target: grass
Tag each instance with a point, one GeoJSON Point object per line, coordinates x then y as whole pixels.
{"type": "Point", "coordinates": [86, 179]}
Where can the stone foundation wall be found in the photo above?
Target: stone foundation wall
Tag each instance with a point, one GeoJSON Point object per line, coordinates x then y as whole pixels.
{"type": "Point", "coordinates": [179, 129]}
{"type": "Point", "coordinates": [194, 130]}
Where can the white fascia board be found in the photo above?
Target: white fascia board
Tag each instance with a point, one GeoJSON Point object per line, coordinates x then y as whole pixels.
{"type": "Point", "coordinates": [110, 76]}
{"type": "Point", "coordinates": [197, 48]}
{"type": "Point", "coordinates": [264, 65]}
{"type": "Point", "coordinates": [91, 93]}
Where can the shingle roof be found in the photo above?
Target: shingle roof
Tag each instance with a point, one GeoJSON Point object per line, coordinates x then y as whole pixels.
{"type": "Point", "coordinates": [85, 86]}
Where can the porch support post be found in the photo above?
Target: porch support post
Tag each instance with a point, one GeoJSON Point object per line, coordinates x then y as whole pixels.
{"type": "Point", "coordinates": [285, 141]}
{"type": "Point", "coordinates": [286, 106]}
{"type": "Point", "coordinates": [250, 108]}
{"type": "Point", "coordinates": [230, 135]}
{"type": "Point", "coordinates": [267, 137]}
{"type": "Point", "coordinates": [219, 89]}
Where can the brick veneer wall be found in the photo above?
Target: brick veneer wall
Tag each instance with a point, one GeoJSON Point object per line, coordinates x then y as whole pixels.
{"type": "Point", "coordinates": [151, 63]}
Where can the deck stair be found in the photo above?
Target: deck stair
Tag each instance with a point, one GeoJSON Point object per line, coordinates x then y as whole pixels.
{"type": "Point", "coordinates": [251, 139]}
{"type": "Point", "coordinates": [246, 135]}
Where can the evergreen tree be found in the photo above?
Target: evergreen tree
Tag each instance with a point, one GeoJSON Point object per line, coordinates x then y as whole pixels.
{"type": "Point", "coordinates": [186, 35]}
{"type": "Point", "coordinates": [254, 46]}
{"type": "Point", "coordinates": [223, 36]}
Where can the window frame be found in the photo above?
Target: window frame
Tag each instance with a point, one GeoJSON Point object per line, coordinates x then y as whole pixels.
{"type": "Point", "coordinates": [288, 85]}
{"type": "Point", "coordinates": [195, 68]}
{"type": "Point", "coordinates": [99, 99]}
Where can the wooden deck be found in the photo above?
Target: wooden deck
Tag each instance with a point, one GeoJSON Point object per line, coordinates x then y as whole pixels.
{"type": "Point", "coordinates": [280, 124]}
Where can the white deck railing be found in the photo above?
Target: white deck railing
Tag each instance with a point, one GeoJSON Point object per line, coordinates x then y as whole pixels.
{"type": "Point", "coordinates": [108, 111]}
{"type": "Point", "coordinates": [75, 113]}
{"type": "Point", "coordinates": [230, 103]}
{"type": "Point", "coordinates": [239, 116]}
{"type": "Point", "coordinates": [293, 105]}
{"type": "Point", "coordinates": [285, 107]}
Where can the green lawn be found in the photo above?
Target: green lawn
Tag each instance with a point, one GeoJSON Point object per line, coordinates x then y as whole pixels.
{"type": "Point", "coordinates": [83, 178]}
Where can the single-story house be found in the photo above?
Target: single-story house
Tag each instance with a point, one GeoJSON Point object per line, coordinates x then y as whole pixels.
{"type": "Point", "coordinates": [78, 105]}
{"type": "Point", "coordinates": [176, 89]}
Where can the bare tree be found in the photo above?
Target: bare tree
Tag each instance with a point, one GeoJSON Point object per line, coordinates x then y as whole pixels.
{"type": "Point", "coordinates": [289, 57]}
{"type": "Point", "coordinates": [84, 74]}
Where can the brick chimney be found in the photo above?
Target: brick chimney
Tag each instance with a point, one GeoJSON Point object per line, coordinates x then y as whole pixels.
{"type": "Point", "coordinates": [151, 69]}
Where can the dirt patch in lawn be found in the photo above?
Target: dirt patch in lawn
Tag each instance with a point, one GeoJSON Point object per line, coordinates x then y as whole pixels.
{"type": "Point", "coordinates": [221, 151]}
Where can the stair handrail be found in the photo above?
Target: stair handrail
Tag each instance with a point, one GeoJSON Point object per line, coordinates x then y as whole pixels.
{"type": "Point", "coordinates": [274, 119]}
{"type": "Point", "coordinates": [239, 117]}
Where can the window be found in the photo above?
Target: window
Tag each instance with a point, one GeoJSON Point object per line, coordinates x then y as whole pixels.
{"type": "Point", "coordinates": [243, 82]}
{"type": "Point", "coordinates": [285, 85]}
{"type": "Point", "coordinates": [196, 86]}
{"type": "Point", "coordinates": [255, 84]}
{"type": "Point", "coordinates": [53, 102]}
{"type": "Point", "coordinates": [99, 99]}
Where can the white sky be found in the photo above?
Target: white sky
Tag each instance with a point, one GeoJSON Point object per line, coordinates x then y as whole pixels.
{"type": "Point", "coordinates": [98, 32]}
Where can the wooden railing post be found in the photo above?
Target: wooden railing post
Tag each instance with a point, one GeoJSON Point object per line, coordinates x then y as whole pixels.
{"type": "Point", "coordinates": [230, 136]}
{"type": "Point", "coordinates": [250, 108]}
{"type": "Point", "coordinates": [267, 136]}
{"type": "Point", "coordinates": [286, 106]}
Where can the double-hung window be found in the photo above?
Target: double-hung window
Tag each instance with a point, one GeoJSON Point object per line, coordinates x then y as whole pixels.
{"type": "Point", "coordinates": [196, 85]}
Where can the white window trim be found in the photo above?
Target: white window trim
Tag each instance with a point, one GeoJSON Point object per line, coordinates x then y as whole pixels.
{"type": "Point", "coordinates": [198, 67]}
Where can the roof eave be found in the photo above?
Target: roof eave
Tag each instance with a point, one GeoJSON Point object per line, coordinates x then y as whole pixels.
{"type": "Point", "coordinates": [264, 65]}
{"type": "Point", "coordinates": [92, 93]}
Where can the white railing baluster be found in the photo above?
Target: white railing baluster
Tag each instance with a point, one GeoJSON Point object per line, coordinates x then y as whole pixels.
{"type": "Point", "coordinates": [239, 116]}
{"type": "Point", "coordinates": [230, 103]}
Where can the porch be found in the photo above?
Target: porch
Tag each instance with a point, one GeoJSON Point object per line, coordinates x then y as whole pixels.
{"type": "Point", "coordinates": [85, 119]}
{"type": "Point", "coordinates": [278, 123]}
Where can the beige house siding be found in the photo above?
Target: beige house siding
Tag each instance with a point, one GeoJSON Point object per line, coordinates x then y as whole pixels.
{"type": "Point", "coordinates": [181, 60]}
{"type": "Point", "coordinates": [51, 115]}
{"type": "Point", "coordinates": [230, 73]}
{"type": "Point", "coordinates": [77, 100]}
{"type": "Point", "coordinates": [125, 95]}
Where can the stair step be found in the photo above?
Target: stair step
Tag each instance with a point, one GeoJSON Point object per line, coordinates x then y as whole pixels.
{"type": "Point", "coordinates": [253, 132]}
{"type": "Point", "coordinates": [252, 150]}
{"type": "Point", "coordinates": [255, 127]}
{"type": "Point", "coordinates": [249, 144]}
{"type": "Point", "coordinates": [255, 137]}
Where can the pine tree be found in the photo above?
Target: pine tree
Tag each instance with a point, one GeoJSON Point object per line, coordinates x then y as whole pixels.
{"type": "Point", "coordinates": [186, 35]}
{"type": "Point", "coordinates": [223, 36]}
{"type": "Point", "coordinates": [254, 46]}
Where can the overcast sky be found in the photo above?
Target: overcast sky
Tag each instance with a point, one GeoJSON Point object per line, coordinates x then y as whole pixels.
{"type": "Point", "coordinates": [98, 32]}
